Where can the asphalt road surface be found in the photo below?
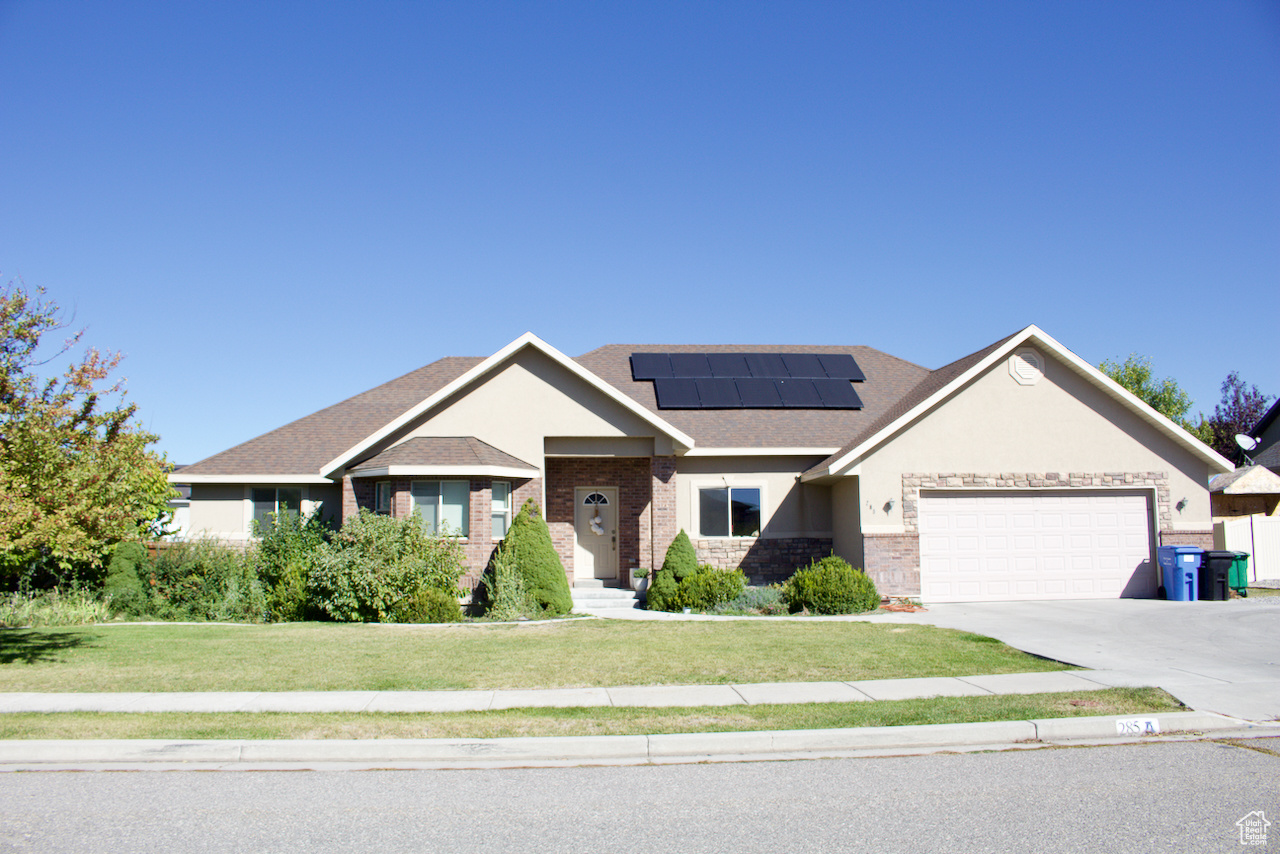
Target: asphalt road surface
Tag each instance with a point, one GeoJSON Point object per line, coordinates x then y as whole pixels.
{"type": "Point", "coordinates": [1160, 797]}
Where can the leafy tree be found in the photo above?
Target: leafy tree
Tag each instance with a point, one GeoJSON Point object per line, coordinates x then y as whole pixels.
{"type": "Point", "coordinates": [1163, 395]}
{"type": "Point", "coordinates": [1241, 408]}
{"type": "Point", "coordinates": [77, 474]}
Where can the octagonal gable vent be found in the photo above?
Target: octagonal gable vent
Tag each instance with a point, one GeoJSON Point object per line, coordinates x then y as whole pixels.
{"type": "Point", "coordinates": [1026, 366]}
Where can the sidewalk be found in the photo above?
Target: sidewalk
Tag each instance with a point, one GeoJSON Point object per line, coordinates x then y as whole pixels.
{"type": "Point", "coordinates": [623, 696]}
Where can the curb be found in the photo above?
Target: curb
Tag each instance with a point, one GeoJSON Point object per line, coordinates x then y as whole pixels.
{"type": "Point", "coordinates": [364, 754]}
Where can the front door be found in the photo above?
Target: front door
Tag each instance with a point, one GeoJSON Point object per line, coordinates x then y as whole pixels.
{"type": "Point", "coordinates": [595, 526]}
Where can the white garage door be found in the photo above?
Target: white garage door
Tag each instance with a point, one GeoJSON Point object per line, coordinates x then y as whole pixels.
{"type": "Point", "coordinates": [997, 546]}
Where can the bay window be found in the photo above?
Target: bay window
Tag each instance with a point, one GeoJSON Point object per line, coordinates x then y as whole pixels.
{"type": "Point", "coordinates": [444, 505]}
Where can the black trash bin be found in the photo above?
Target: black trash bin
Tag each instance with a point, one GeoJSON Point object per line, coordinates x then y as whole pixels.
{"type": "Point", "coordinates": [1215, 570]}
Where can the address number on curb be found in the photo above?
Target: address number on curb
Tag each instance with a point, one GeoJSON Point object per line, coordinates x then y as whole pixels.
{"type": "Point", "coordinates": [1137, 726]}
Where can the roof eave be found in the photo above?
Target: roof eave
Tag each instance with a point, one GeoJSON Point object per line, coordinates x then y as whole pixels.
{"type": "Point", "coordinates": [1034, 334]}
{"type": "Point", "coordinates": [681, 440]}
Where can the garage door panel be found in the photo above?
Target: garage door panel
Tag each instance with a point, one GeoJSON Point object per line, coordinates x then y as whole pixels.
{"type": "Point", "coordinates": [1031, 545]}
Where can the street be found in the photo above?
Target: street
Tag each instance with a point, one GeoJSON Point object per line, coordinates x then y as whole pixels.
{"type": "Point", "coordinates": [1166, 797]}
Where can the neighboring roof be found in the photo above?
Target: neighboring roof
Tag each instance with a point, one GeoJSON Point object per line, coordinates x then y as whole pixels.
{"type": "Point", "coordinates": [460, 452]}
{"type": "Point", "coordinates": [1251, 480]}
{"type": "Point", "coordinates": [946, 381]}
{"type": "Point", "coordinates": [1268, 456]}
{"type": "Point", "coordinates": [888, 378]}
{"type": "Point", "coordinates": [1265, 421]}
{"type": "Point", "coordinates": [303, 446]}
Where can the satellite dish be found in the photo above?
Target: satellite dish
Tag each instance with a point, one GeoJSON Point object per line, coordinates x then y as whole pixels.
{"type": "Point", "coordinates": [1246, 442]}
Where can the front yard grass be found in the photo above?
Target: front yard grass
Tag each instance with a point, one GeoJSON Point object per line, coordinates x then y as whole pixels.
{"type": "Point", "coordinates": [571, 653]}
{"type": "Point", "coordinates": [586, 721]}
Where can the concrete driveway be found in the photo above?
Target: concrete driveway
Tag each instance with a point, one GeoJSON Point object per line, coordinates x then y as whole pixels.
{"type": "Point", "coordinates": [1213, 656]}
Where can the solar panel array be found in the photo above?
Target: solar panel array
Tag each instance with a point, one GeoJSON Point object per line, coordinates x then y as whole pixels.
{"type": "Point", "coordinates": [750, 380]}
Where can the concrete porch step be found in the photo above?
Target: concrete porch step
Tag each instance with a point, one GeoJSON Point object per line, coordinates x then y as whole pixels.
{"type": "Point", "coordinates": [590, 598]}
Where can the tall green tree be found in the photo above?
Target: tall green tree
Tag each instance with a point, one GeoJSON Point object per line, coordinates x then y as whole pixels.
{"type": "Point", "coordinates": [77, 473]}
{"type": "Point", "coordinates": [1163, 395]}
{"type": "Point", "coordinates": [1241, 407]}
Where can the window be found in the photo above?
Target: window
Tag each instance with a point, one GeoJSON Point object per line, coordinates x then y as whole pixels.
{"type": "Point", "coordinates": [501, 508]}
{"type": "Point", "coordinates": [729, 512]}
{"type": "Point", "coordinates": [444, 505]}
{"type": "Point", "coordinates": [382, 497]}
{"type": "Point", "coordinates": [268, 500]}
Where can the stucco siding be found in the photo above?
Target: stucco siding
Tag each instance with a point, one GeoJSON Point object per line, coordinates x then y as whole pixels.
{"type": "Point", "coordinates": [789, 508]}
{"type": "Point", "coordinates": [218, 510]}
{"type": "Point", "coordinates": [528, 399]}
{"type": "Point", "coordinates": [847, 518]}
{"type": "Point", "coordinates": [1062, 424]}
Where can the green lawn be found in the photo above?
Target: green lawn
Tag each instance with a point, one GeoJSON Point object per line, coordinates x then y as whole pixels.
{"type": "Point", "coordinates": [592, 721]}
{"type": "Point", "coordinates": [571, 653]}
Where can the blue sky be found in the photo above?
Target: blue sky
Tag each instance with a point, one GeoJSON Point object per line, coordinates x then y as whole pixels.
{"type": "Point", "coordinates": [269, 207]}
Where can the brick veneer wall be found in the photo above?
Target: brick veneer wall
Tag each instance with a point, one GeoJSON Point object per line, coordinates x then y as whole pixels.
{"type": "Point", "coordinates": [763, 560]}
{"type": "Point", "coordinates": [1199, 539]}
{"type": "Point", "coordinates": [893, 562]}
{"type": "Point", "coordinates": [662, 488]}
{"type": "Point", "coordinates": [631, 477]}
{"type": "Point", "coordinates": [479, 543]}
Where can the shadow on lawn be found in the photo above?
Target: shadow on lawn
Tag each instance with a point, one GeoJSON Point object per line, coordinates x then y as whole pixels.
{"type": "Point", "coordinates": [30, 647]}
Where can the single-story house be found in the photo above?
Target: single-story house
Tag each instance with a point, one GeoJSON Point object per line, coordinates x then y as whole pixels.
{"type": "Point", "coordinates": [1017, 472]}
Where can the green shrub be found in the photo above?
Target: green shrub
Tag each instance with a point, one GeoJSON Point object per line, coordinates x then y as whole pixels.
{"type": "Point", "coordinates": [680, 562]}
{"type": "Point", "coordinates": [502, 594]}
{"type": "Point", "coordinates": [205, 579]}
{"type": "Point", "coordinates": [123, 582]}
{"type": "Point", "coordinates": [765, 601]}
{"type": "Point", "coordinates": [52, 608]}
{"type": "Point", "coordinates": [709, 587]}
{"type": "Point", "coordinates": [528, 546]}
{"type": "Point", "coordinates": [427, 605]}
{"type": "Point", "coordinates": [287, 550]}
{"type": "Point", "coordinates": [830, 586]}
{"type": "Point", "coordinates": [376, 565]}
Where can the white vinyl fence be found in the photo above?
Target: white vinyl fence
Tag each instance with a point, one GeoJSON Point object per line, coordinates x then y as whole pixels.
{"type": "Point", "coordinates": [1257, 535]}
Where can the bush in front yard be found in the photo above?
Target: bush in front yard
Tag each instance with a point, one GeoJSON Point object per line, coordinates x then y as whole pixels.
{"type": "Point", "coordinates": [286, 552]}
{"type": "Point", "coordinates": [428, 605]}
{"type": "Point", "coordinates": [529, 549]}
{"type": "Point", "coordinates": [123, 583]}
{"type": "Point", "coordinates": [681, 561]}
{"type": "Point", "coordinates": [377, 566]}
{"type": "Point", "coordinates": [830, 586]}
{"type": "Point", "coordinates": [709, 587]}
{"type": "Point", "coordinates": [204, 580]}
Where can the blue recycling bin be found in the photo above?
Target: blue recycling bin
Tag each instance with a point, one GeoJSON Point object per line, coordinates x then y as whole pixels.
{"type": "Point", "coordinates": [1180, 572]}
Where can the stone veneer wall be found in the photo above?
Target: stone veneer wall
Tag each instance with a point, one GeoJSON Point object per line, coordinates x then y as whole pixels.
{"type": "Point", "coordinates": [630, 475]}
{"type": "Point", "coordinates": [763, 560]}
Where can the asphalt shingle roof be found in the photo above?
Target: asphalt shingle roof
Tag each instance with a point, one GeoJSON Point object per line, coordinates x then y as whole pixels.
{"type": "Point", "coordinates": [443, 451]}
{"type": "Point", "coordinates": [305, 445]}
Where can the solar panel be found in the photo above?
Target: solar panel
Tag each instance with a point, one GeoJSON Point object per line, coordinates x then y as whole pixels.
{"type": "Point", "coordinates": [728, 365]}
{"type": "Point", "coordinates": [690, 365]}
{"type": "Point", "coordinates": [841, 366]}
{"type": "Point", "coordinates": [758, 394]}
{"type": "Point", "coordinates": [750, 380]}
{"type": "Point", "coordinates": [677, 394]}
{"type": "Point", "coordinates": [803, 365]}
{"type": "Point", "coordinates": [766, 365]}
{"type": "Point", "coordinates": [837, 394]}
{"type": "Point", "coordinates": [799, 394]}
{"type": "Point", "coordinates": [718, 394]}
{"type": "Point", "coordinates": [650, 366]}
